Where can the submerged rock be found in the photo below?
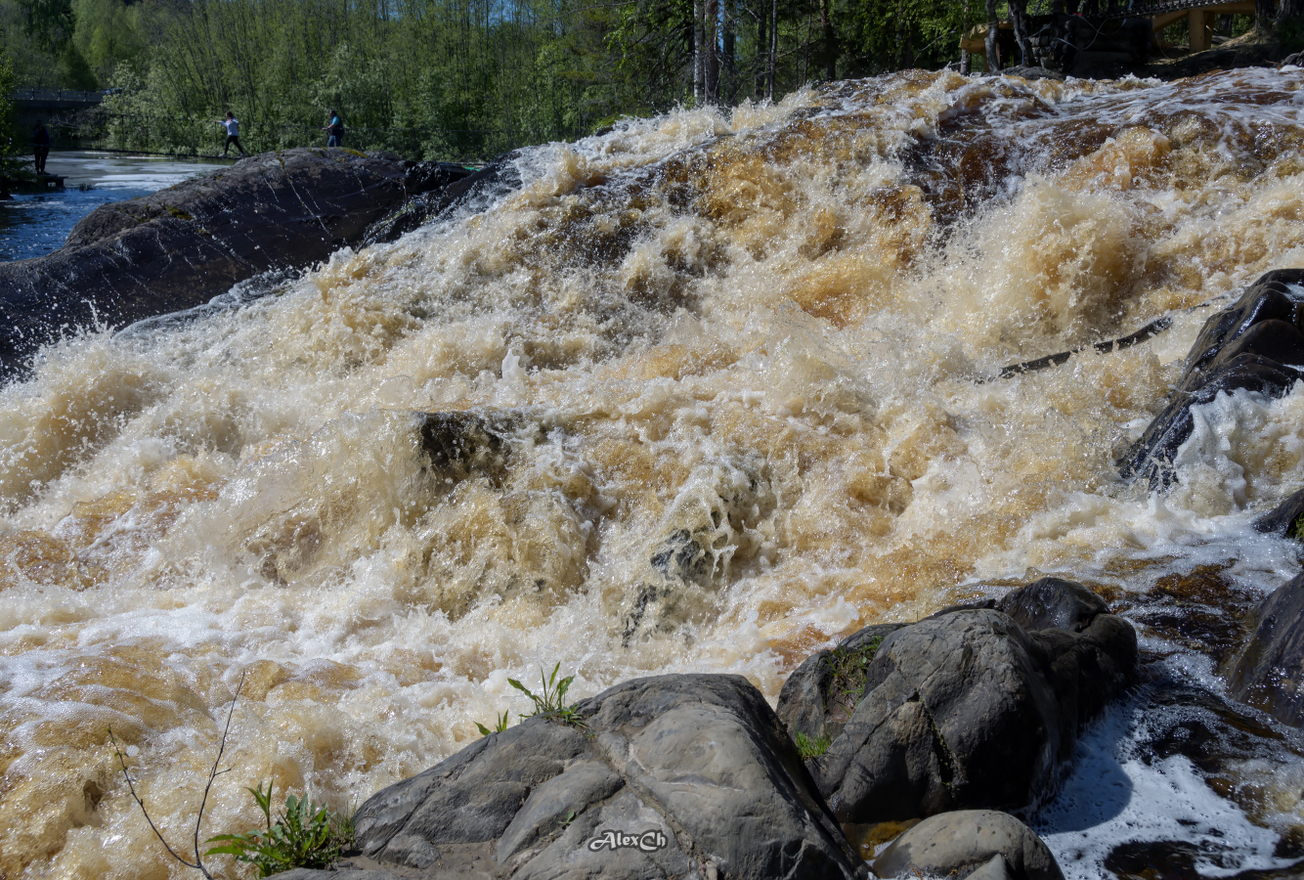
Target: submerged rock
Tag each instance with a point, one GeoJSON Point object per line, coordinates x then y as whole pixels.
{"type": "Point", "coordinates": [1255, 344]}
{"type": "Point", "coordinates": [672, 776]}
{"type": "Point", "coordinates": [462, 443]}
{"type": "Point", "coordinates": [180, 247]}
{"type": "Point", "coordinates": [975, 843]}
{"type": "Point", "coordinates": [966, 709]}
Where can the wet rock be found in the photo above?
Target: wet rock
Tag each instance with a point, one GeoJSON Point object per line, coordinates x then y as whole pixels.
{"type": "Point", "coordinates": [1281, 519]}
{"type": "Point", "coordinates": [443, 186]}
{"type": "Point", "coordinates": [965, 709]}
{"type": "Point", "coordinates": [182, 246]}
{"type": "Point", "coordinates": [1255, 345]}
{"type": "Point", "coordinates": [1269, 673]}
{"type": "Point", "coordinates": [1032, 72]}
{"type": "Point", "coordinates": [690, 554]}
{"type": "Point", "coordinates": [822, 693]}
{"type": "Point", "coordinates": [1053, 603]}
{"type": "Point", "coordinates": [683, 776]}
{"type": "Point", "coordinates": [974, 843]}
{"type": "Point", "coordinates": [463, 443]}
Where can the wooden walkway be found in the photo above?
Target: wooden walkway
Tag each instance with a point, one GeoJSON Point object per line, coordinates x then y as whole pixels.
{"type": "Point", "coordinates": [1199, 15]}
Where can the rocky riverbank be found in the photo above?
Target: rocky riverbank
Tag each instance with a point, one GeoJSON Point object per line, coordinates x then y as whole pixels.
{"type": "Point", "coordinates": [268, 216]}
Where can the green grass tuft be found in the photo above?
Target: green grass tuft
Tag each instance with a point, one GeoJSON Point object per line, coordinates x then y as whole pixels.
{"type": "Point", "coordinates": [305, 835]}
{"type": "Point", "coordinates": [551, 702]}
{"type": "Point", "coordinates": [811, 748]}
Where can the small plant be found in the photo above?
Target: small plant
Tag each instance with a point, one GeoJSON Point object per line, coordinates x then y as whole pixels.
{"type": "Point", "coordinates": [305, 835]}
{"type": "Point", "coordinates": [213, 773]}
{"type": "Point", "coordinates": [847, 684]}
{"type": "Point", "coordinates": [552, 701]}
{"type": "Point", "coordinates": [499, 726]}
{"type": "Point", "coordinates": [811, 748]}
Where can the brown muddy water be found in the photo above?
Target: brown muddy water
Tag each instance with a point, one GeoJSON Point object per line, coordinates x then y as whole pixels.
{"type": "Point", "coordinates": [779, 327]}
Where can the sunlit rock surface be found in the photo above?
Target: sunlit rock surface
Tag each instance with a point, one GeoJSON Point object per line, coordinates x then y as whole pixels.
{"type": "Point", "coordinates": [789, 317]}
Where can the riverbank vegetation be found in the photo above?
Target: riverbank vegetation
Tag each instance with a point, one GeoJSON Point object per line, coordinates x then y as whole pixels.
{"type": "Point", "coordinates": [452, 79]}
{"type": "Point", "coordinates": [449, 79]}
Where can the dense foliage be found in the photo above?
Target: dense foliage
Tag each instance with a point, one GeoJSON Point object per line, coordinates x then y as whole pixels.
{"type": "Point", "coordinates": [452, 79]}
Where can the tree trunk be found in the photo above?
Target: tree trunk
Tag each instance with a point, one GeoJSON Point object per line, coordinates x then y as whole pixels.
{"type": "Point", "coordinates": [1019, 18]}
{"type": "Point", "coordinates": [1263, 15]}
{"type": "Point", "coordinates": [710, 52]}
{"type": "Point", "coordinates": [993, 57]}
{"type": "Point", "coordinates": [699, 52]}
{"type": "Point", "coordinates": [1289, 11]}
{"type": "Point", "coordinates": [773, 48]}
{"type": "Point", "coordinates": [830, 44]}
{"type": "Point", "coordinates": [728, 50]}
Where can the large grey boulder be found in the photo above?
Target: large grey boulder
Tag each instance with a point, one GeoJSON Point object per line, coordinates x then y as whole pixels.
{"type": "Point", "coordinates": [182, 246]}
{"type": "Point", "coordinates": [966, 709]}
{"type": "Point", "coordinates": [672, 776]}
{"type": "Point", "coordinates": [990, 844]}
{"type": "Point", "coordinates": [1255, 344]}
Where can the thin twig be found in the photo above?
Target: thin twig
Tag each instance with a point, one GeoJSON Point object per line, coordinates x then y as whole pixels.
{"type": "Point", "coordinates": [213, 773]}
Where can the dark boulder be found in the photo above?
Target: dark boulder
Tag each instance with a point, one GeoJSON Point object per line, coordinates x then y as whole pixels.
{"type": "Point", "coordinates": [1255, 344]}
{"type": "Point", "coordinates": [182, 246]}
{"type": "Point", "coordinates": [1269, 673]}
{"type": "Point", "coordinates": [1280, 520]}
{"type": "Point", "coordinates": [1053, 603]}
{"type": "Point", "coordinates": [972, 843]}
{"type": "Point", "coordinates": [965, 709]}
{"type": "Point", "coordinates": [672, 776]}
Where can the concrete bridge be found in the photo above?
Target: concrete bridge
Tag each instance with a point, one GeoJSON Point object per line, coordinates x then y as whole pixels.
{"type": "Point", "coordinates": [59, 109]}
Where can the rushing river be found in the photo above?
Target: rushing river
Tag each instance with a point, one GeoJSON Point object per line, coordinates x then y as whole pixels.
{"type": "Point", "coordinates": [778, 327]}
{"type": "Point", "coordinates": [34, 224]}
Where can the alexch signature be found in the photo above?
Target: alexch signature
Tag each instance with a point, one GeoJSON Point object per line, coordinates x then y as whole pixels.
{"type": "Point", "coordinates": [647, 841]}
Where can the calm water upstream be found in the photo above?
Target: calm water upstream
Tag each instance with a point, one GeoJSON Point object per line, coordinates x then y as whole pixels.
{"type": "Point", "coordinates": [32, 225]}
{"type": "Point", "coordinates": [778, 329]}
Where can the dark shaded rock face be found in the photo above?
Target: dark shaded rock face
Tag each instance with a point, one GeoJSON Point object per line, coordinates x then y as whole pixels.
{"type": "Point", "coordinates": [1255, 344]}
{"type": "Point", "coordinates": [442, 186]}
{"type": "Point", "coordinates": [1269, 674]}
{"type": "Point", "coordinates": [1279, 520]}
{"type": "Point", "coordinates": [966, 709]}
{"type": "Point", "coordinates": [181, 246]}
{"type": "Point", "coordinates": [695, 769]}
{"type": "Point", "coordinates": [954, 844]}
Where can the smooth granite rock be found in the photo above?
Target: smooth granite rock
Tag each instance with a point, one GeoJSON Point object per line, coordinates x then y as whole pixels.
{"type": "Point", "coordinates": [964, 709]}
{"type": "Point", "coordinates": [991, 844]}
{"type": "Point", "coordinates": [672, 776]}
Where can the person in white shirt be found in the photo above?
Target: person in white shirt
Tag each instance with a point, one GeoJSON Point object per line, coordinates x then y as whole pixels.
{"type": "Point", "coordinates": [232, 126]}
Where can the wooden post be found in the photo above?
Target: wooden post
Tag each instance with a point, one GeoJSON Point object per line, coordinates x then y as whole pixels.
{"type": "Point", "coordinates": [1200, 23]}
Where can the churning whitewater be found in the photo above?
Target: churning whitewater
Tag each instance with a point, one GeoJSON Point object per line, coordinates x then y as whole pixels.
{"type": "Point", "coordinates": [777, 331]}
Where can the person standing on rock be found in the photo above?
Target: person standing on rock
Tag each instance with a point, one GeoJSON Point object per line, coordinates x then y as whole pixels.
{"type": "Point", "coordinates": [334, 131]}
{"type": "Point", "coordinates": [41, 146]}
{"type": "Point", "coordinates": [232, 126]}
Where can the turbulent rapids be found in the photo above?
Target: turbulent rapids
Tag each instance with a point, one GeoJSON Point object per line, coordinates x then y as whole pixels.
{"type": "Point", "coordinates": [742, 375]}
